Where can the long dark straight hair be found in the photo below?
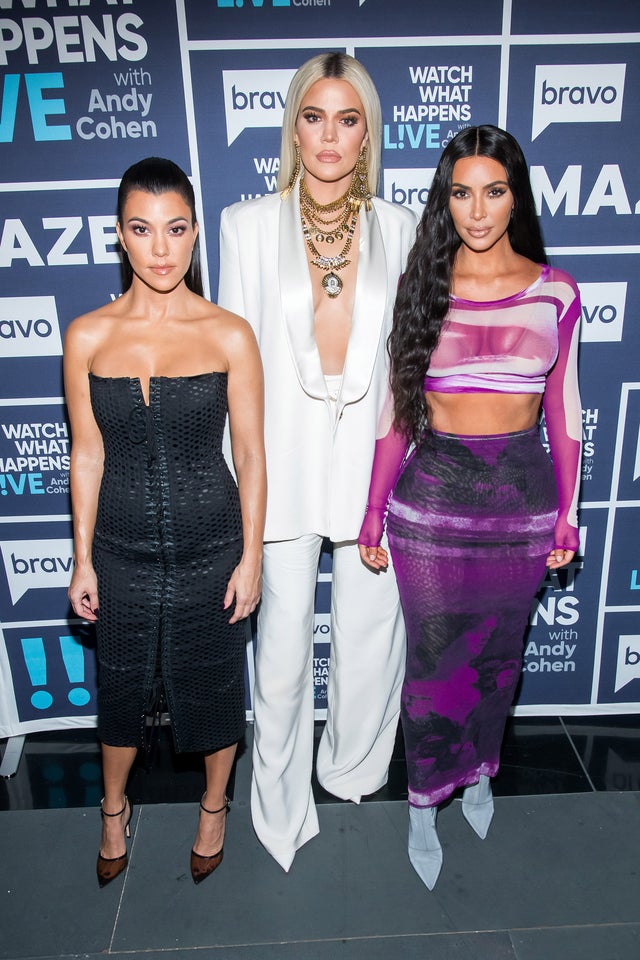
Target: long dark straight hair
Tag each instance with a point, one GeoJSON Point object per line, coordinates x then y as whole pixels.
{"type": "Point", "coordinates": [157, 175]}
{"type": "Point", "coordinates": [423, 294]}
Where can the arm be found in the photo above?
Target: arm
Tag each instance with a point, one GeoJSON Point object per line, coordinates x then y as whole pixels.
{"type": "Point", "coordinates": [245, 391]}
{"type": "Point", "coordinates": [390, 452]}
{"type": "Point", "coordinates": [563, 416]}
{"type": "Point", "coordinates": [87, 456]}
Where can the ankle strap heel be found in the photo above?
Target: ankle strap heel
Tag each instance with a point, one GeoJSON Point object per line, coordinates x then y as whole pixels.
{"type": "Point", "coordinates": [108, 868]}
{"type": "Point", "coordinates": [203, 866]}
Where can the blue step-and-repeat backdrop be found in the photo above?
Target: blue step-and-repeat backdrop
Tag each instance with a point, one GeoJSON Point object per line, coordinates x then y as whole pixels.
{"type": "Point", "coordinates": [90, 86]}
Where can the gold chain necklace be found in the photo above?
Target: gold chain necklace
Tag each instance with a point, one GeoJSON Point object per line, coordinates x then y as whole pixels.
{"type": "Point", "coordinates": [313, 212]}
{"type": "Point", "coordinates": [326, 227]}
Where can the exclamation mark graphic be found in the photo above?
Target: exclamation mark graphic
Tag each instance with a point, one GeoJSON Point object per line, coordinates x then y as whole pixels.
{"type": "Point", "coordinates": [73, 658]}
{"type": "Point", "coordinates": [3, 486]}
{"type": "Point", "coordinates": [36, 663]}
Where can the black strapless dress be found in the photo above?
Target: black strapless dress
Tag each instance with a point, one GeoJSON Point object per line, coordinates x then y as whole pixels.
{"type": "Point", "coordinates": [168, 535]}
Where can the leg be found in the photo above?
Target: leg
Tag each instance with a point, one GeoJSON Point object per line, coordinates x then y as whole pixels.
{"type": "Point", "coordinates": [282, 807]}
{"type": "Point", "coordinates": [365, 677]}
{"type": "Point", "coordinates": [214, 807]}
{"type": "Point", "coordinates": [210, 836]}
{"type": "Point", "coordinates": [116, 766]}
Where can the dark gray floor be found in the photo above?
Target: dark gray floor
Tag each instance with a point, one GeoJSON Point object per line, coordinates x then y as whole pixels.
{"type": "Point", "coordinates": [556, 879]}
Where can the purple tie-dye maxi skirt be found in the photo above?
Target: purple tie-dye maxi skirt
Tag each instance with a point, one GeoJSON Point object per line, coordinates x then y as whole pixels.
{"type": "Point", "coordinates": [470, 525]}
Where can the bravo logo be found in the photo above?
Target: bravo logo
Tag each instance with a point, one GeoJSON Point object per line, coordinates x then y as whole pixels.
{"type": "Point", "coordinates": [408, 187]}
{"type": "Point", "coordinates": [36, 564]}
{"type": "Point", "coordinates": [577, 93]}
{"type": "Point", "coordinates": [628, 663]}
{"type": "Point", "coordinates": [602, 311]}
{"type": "Point", "coordinates": [254, 98]}
{"type": "Point", "coordinates": [29, 327]}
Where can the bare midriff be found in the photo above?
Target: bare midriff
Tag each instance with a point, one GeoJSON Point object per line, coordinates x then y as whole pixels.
{"type": "Point", "coordinates": [482, 414]}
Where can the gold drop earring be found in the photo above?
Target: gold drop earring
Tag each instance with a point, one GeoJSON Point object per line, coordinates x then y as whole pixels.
{"type": "Point", "coordinates": [359, 192]}
{"type": "Point", "coordinates": [294, 176]}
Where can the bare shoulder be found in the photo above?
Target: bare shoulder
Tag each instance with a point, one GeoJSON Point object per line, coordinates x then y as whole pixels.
{"type": "Point", "coordinates": [222, 333]}
{"type": "Point", "coordinates": [234, 324]}
{"type": "Point", "coordinates": [90, 328]}
{"type": "Point", "coordinates": [222, 322]}
{"type": "Point", "coordinates": [237, 338]}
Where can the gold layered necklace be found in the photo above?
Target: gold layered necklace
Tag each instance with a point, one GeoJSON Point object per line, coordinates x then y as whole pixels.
{"type": "Point", "coordinates": [328, 223]}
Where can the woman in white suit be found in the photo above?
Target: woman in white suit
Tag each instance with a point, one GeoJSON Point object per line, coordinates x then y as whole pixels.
{"type": "Point", "coordinates": [314, 270]}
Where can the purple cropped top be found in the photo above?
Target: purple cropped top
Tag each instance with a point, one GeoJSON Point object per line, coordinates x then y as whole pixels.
{"type": "Point", "coordinates": [503, 346]}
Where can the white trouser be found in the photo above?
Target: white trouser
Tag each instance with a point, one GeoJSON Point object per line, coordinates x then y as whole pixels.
{"type": "Point", "coordinates": [365, 677]}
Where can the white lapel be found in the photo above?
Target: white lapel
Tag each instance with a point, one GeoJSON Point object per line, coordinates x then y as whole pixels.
{"type": "Point", "coordinates": [368, 310]}
{"type": "Point", "coordinates": [296, 297]}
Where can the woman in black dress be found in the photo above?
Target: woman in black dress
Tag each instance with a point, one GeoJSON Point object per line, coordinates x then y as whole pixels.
{"type": "Point", "coordinates": [167, 549]}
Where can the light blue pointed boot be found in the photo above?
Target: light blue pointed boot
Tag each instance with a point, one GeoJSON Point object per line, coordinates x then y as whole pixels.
{"type": "Point", "coordinates": [425, 852]}
{"type": "Point", "coordinates": [477, 806]}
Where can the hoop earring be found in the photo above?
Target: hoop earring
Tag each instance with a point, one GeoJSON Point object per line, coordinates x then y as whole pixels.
{"type": "Point", "coordinates": [294, 176]}
{"type": "Point", "coordinates": [359, 192]}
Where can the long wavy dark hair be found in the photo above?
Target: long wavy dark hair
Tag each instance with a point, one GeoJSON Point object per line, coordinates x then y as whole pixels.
{"type": "Point", "coordinates": [422, 302]}
{"type": "Point", "coordinates": [157, 175]}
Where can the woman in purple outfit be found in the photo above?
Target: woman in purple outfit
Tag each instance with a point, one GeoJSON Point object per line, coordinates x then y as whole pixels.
{"type": "Point", "coordinates": [485, 334]}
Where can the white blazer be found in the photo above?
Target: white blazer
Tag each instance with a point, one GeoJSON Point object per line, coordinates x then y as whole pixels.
{"type": "Point", "coordinates": [318, 463]}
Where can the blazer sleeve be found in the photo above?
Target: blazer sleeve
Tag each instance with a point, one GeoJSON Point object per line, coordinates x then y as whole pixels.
{"type": "Point", "coordinates": [230, 285]}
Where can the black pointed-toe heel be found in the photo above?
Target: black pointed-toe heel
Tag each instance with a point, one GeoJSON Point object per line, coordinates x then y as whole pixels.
{"type": "Point", "coordinates": [108, 868]}
{"type": "Point", "coordinates": [202, 867]}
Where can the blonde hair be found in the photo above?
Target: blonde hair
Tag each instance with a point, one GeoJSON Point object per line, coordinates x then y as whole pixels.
{"type": "Point", "coordinates": [338, 66]}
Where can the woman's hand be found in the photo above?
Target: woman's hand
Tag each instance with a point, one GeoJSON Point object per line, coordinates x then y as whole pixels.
{"type": "Point", "coordinates": [375, 557]}
{"type": "Point", "coordinates": [245, 585]}
{"type": "Point", "coordinates": [559, 557]}
{"type": "Point", "coordinates": [83, 593]}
